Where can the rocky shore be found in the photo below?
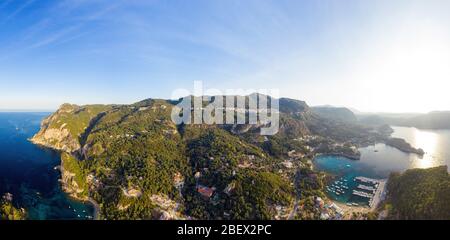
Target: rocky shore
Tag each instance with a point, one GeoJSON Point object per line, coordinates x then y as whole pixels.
{"type": "Point", "coordinates": [403, 146]}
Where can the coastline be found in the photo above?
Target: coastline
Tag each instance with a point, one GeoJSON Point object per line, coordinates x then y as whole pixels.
{"type": "Point", "coordinates": [95, 205]}
{"type": "Point", "coordinates": [354, 158]}
{"type": "Point", "coordinates": [379, 197]}
{"type": "Point", "coordinates": [96, 214]}
{"type": "Point", "coordinates": [91, 201]}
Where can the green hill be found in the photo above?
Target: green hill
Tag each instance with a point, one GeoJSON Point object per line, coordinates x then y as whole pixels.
{"type": "Point", "coordinates": [137, 164]}
{"type": "Point", "coordinates": [420, 194]}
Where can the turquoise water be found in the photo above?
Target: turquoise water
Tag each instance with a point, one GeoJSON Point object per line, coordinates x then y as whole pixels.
{"type": "Point", "coordinates": [345, 170]}
{"type": "Point", "coordinates": [379, 161]}
{"type": "Point", "coordinates": [27, 171]}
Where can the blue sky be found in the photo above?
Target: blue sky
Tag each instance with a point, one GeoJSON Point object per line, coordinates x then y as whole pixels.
{"type": "Point", "coordinates": [390, 56]}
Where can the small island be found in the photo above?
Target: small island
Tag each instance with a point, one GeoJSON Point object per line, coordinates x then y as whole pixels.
{"type": "Point", "coordinates": [403, 146]}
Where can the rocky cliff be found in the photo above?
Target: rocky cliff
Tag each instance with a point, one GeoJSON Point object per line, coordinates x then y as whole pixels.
{"type": "Point", "coordinates": [64, 129]}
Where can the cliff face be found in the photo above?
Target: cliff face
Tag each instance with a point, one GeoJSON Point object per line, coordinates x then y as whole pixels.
{"type": "Point", "coordinates": [56, 138]}
{"type": "Point", "coordinates": [73, 179]}
{"type": "Point", "coordinates": [64, 129]}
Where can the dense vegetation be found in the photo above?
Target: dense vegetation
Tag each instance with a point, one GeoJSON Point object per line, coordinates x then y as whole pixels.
{"type": "Point", "coordinates": [137, 164]}
{"type": "Point", "coordinates": [419, 194]}
{"type": "Point", "coordinates": [223, 160]}
{"type": "Point", "coordinates": [70, 165]}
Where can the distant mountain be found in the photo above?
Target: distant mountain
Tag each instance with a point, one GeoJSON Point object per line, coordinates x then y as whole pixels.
{"type": "Point", "coordinates": [432, 120]}
{"type": "Point", "coordinates": [335, 113]}
{"type": "Point", "coordinates": [292, 106]}
{"type": "Point", "coordinates": [355, 111]}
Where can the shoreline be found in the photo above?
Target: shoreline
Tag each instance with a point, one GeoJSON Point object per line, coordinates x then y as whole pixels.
{"type": "Point", "coordinates": [349, 210]}
{"type": "Point", "coordinates": [92, 202]}
{"type": "Point", "coordinates": [379, 197]}
{"type": "Point", "coordinates": [96, 206]}
{"type": "Point", "coordinates": [353, 158]}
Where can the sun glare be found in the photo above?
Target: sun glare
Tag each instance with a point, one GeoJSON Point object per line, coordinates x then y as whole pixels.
{"type": "Point", "coordinates": [407, 70]}
{"type": "Point", "coordinates": [428, 141]}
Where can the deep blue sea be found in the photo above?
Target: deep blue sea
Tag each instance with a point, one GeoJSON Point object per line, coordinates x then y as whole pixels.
{"type": "Point", "coordinates": [27, 171]}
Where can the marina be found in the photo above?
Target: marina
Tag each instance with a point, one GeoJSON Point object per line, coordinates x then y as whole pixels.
{"type": "Point", "coordinates": [354, 190]}
{"type": "Point", "coordinates": [359, 191]}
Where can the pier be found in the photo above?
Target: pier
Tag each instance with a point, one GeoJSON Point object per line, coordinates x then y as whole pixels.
{"type": "Point", "coordinates": [379, 195]}
{"type": "Point", "coordinates": [372, 189]}
{"type": "Point", "coordinates": [367, 180]}
{"type": "Point", "coordinates": [363, 194]}
{"type": "Point", "coordinates": [367, 188]}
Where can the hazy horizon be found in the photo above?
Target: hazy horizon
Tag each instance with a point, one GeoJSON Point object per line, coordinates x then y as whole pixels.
{"type": "Point", "coordinates": [354, 110]}
{"type": "Point", "coordinates": [373, 56]}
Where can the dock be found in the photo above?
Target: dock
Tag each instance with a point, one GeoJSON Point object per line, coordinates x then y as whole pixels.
{"type": "Point", "coordinates": [379, 195]}
{"type": "Point", "coordinates": [372, 189]}
{"type": "Point", "coordinates": [367, 180]}
{"type": "Point", "coordinates": [367, 188]}
{"type": "Point", "coordinates": [362, 194]}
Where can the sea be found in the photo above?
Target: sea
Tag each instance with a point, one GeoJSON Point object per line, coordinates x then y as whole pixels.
{"type": "Point", "coordinates": [29, 172]}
